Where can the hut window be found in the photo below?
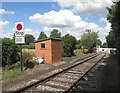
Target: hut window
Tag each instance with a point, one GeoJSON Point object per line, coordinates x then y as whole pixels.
{"type": "Point", "coordinates": [42, 45]}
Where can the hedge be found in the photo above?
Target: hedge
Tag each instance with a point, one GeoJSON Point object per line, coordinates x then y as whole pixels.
{"type": "Point", "coordinates": [28, 46]}
{"type": "Point", "coordinates": [10, 52]}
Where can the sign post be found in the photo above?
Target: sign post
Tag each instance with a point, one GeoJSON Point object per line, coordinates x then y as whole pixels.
{"type": "Point", "coordinates": [19, 37]}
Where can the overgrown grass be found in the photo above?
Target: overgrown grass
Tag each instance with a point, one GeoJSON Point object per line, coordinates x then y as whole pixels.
{"type": "Point", "coordinates": [78, 52]}
{"type": "Point", "coordinates": [31, 51]}
{"type": "Point", "coordinates": [13, 73]}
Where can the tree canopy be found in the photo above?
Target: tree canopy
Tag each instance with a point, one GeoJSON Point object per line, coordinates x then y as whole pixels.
{"type": "Point", "coordinates": [55, 33]}
{"type": "Point", "coordinates": [29, 39]}
{"type": "Point", "coordinates": [78, 45]}
{"type": "Point", "coordinates": [114, 18]}
{"type": "Point", "coordinates": [42, 36]}
{"type": "Point", "coordinates": [104, 45]}
{"type": "Point", "coordinates": [68, 45]}
{"type": "Point", "coordinates": [98, 42]}
{"type": "Point", "coordinates": [88, 40]}
{"type": "Point", "coordinates": [110, 38]}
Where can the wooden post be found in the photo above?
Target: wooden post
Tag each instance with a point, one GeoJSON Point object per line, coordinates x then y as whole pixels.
{"type": "Point", "coordinates": [21, 56]}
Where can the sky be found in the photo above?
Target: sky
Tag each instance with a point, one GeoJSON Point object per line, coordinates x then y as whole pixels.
{"type": "Point", "coordinates": [68, 16]}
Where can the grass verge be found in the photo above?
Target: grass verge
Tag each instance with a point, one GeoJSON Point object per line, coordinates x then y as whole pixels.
{"type": "Point", "coordinates": [13, 73]}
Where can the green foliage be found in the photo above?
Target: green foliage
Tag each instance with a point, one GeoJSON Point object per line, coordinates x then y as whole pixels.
{"type": "Point", "coordinates": [89, 40]}
{"type": "Point", "coordinates": [104, 45]}
{"type": "Point", "coordinates": [78, 45]}
{"type": "Point", "coordinates": [27, 55]}
{"type": "Point", "coordinates": [13, 37]}
{"type": "Point", "coordinates": [28, 46]}
{"type": "Point", "coordinates": [110, 38]}
{"type": "Point", "coordinates": [10, 52]}
{"type": "Point", "coordinates": [114, 18]}
{"type": "Point", "coordinates": [68, 45]}
{"type": "Point", "coordinates": [55, 33]}
{"type": "Point", "coordinates": [42, 36]}
{"type": "Point", "coordinates": [85, 51]}
{"type": "Point", "coordinates": [98, 42]}
{"type": "Point", "coordinates": [78, 52]}
{"type": "Point", "coordinates": [27, 58]}
{"type": "Point", "coordinates": [29, 39]}
{"type": "Point", "coordinates": [13, 73]}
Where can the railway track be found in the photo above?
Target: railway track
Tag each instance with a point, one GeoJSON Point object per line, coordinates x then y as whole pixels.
{"type": "Point", "coordinates": [65, 79]}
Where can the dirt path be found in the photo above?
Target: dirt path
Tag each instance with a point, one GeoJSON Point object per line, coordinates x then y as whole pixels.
{"type": "Point", "coordinates": [104, 77]}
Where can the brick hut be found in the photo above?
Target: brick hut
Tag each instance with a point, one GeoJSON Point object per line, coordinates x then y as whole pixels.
{"type": "Point", "coordinates": [49, 49]}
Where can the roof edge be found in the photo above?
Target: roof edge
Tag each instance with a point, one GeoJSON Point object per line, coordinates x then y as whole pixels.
{"type": "Point", "coordinates": [58, 39]}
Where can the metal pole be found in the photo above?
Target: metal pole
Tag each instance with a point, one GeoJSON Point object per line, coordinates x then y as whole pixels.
{"type": "Point", "coordinates": [21, 56]}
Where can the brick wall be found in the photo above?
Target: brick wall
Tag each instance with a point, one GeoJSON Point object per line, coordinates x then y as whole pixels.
{"type": "Point", "coordinates": [44, 52]}
{"type": "Point", "coordinates": [56, 51]}
{"type": "Point", "coordinates": [52, 52]}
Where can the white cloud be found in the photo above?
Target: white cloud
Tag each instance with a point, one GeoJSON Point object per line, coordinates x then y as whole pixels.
{"type": "Point", "coordinates": [91, 7]}
{"type": "Point", "coordinates": [2, 11]}
{"type": "Point", "coordinates": [33, 32]}
{"type": "Point", "coordinates": [3, 25]}
{"type": "Point", "coordinates": [63, 18]}
{"type": "Point", "coordinates": [67, 22]}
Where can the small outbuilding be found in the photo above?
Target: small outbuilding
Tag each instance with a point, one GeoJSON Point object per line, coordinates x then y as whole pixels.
{"type": "Point", "coordinates": [49, 49]}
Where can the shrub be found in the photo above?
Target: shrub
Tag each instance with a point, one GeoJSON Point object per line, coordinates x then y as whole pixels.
{"type": "Point", "coordinates": [10, 52]}
{"type": "Point", "coordinates": [68, 45]}
{"type": "Point", "coordinates": [27, 58]}
{"type": "Point", "coordinates": [85, 51]}
{"type": "Point", "coordinates": [78, 52]}
{"type": "Point", "coordinates": [28, 46]}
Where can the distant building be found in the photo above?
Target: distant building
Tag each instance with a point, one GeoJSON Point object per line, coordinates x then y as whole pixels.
{"type": "Point", "coordinates": [49, 49]}
{"type": "Point", "coordinates": [31, 43]}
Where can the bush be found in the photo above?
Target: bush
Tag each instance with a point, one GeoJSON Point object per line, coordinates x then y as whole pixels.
{"type": "Point", "coordinates": [28, 46]}
{"type": "Point", "coordinates": [27, 58]}
{"type": "Point", "coordinates": [85, 51]}
{"type": "Point", "coordinates": [78, 52]}
{"type": "Point", "coordinates": [10, 52]}
{"type": "Point", "coordinates": [68, 45]}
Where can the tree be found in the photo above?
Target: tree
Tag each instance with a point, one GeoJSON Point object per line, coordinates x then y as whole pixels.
{"type": "Point", "coordinates": [89, 40]}
{"type": "Point", "coordinates": [10, 52]}
{"type": "Point", "coordinates": [78, 45]}
{"type": "Point", "coordinates": [110, 38]}
{"type": "Point", "coordinates": [42, 36]}
{"type": "Point", "coordinates": [29, 39]}
{"type": "Point", "coordinates": [98, 42]}
{"type": "Point", "coordinates": [104, 45]}
{"type": "Point", "coordinates": [13, 37]}
{"type": "Point", "coordinates": [55, 33]}
{"type": "Point", "coordinates": [114, 18]}
{"type": "Point", "coordinates": [68, 45]}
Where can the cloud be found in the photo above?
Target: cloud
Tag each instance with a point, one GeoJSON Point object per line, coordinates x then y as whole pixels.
{"type": "Point", "coordinates": [67, 22]}
{"type": "Point", "coordinates": [63, 18]}
{"type": "Point", "coordinates": [91, 7]}
{"type": "Point", "coordinates": [2, 11]}
{"type": "Point", "coordinates": [33, 32]}
{"type": "Point", "coordinates": [3, 25]}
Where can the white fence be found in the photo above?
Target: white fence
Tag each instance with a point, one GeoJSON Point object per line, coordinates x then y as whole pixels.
{"type": "Point", "coordinates": [104, 49]}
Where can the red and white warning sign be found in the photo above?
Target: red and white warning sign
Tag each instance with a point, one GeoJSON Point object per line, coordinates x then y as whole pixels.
{"type": "Point", "coordinates": [19, 26]}
{"type": "Point", "coordinates": [19, 32]}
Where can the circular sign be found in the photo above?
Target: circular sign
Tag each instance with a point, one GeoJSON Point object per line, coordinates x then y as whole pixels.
{"type": "Point", "coordinates": [19, 27]}
{"type": "Point", "coordinates": [102, 49]}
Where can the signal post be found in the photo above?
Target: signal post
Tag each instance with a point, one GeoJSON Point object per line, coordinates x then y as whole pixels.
{"type": "Point", "coordinates": [19, 37]}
